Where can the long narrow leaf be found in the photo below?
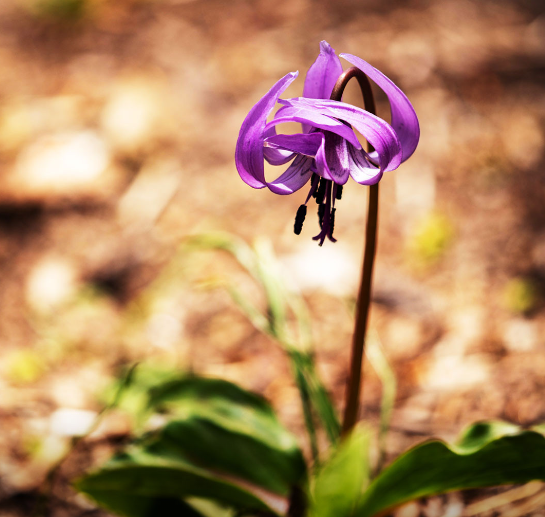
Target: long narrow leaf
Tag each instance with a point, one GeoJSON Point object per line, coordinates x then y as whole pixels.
{"type": "Point", "coordinates": [262, 265]}
{"type": "Point", "coordinates": [387, 377]}
{"type": "Point", "coordinates": [319, 397]}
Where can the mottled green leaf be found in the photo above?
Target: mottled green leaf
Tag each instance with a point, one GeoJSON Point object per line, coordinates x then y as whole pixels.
{"type": "Point", "coordinates": [219, 442]}
{"type": "Point", "coordinates": [488, 454]}
{"type": "Point", "coordinates": [151, 479]}
{"type": "Point", "coordinates": [227, 428]}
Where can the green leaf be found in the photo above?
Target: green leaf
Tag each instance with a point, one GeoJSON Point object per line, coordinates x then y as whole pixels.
{"type": "Point", "coordinates": [386, 374]}
{"type": "Point", "coordinates": [261, 264]}
{"type": "Point", "coordinates": [232, 430]}
{"type": "Point", "coordinates": [539, 428]}
{"type": "Point", "coordinates": [219, 442]}
{"type": "Point", "coordinates": [270, 277]}
{"type": "Point", "coordinates": [303, 364]}
{"type": "Point", "coordinates": [131, 505]}
{"type": "Point", "coordinates": [488, 454]}
{"type": "Point", "coordinates": [244, 255]}
{"type": "Point", "coordinates": [130, 392]}
{"type": "Point", "coordinates": [140, 475]}
{"type": "Point", "coordinates": [339, 484]}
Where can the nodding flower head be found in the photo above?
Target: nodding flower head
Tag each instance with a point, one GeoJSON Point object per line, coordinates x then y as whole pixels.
{"type": "Point", "coordinates": [327, 151]}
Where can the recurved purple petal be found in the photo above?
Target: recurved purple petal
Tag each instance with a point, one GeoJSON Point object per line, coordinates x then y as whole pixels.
{"type": "Point", "coordinates": [307, 144]}
{"type": "Point", "coordinates": [310, 149]}
{"type": "Point", "coordinates": [337, 157]}
{"type": "Point", "coordinates": [375, 130]}
{"type": "Point", "coordinates": [311, 115]}
{"type": "Point", "coordinates": [273, 155]}
{"type": "Point", "coordinates": [361, 169]}
{"type": "Point", "coordinates": [322, 75]}
{"type": "Point", "coordinates": [249, 148]}
{"type": "Point", "coordinates": [404, 119]}
{"type": "Point", "coordinates": [296, 175]}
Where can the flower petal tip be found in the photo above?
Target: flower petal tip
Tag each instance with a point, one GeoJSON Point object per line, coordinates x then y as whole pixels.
{"type": "Point", "coordinates": [326, 47]}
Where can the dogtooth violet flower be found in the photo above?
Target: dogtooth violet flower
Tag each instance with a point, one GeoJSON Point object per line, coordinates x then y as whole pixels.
{"type": "Point", "coordinates": [327, 152]}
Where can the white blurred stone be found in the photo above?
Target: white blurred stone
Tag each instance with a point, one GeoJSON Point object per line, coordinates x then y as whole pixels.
{"type": "Point", "coordinates": [331, 268]}
{"type": "Point", "coordinates": [68, 390]}
{"type": "Point", "coordinates": [455, 506]}
{"type": "Point", "coordinates": [466, 328]}
{"type": "Point", "coordinates": [520, 335]}
{"type": "Point", "coordinates": [451, 368]}
{"type": "Point", "coordinates": [149, 194]}
{"type": "Point", "coordinates": [434, 508]}
{"type": "Point", "coordinates": [411, 509]}
{"type": "Point", "coordinates": [156, 421]}
{"type": "Point", "coordinates": [135, 112]}
{"type": "Point", "coordinates": [71, 422]}
{"type": "Point", "coordinates": [403, 337]}
{"type": "Point", "coordinates": [62, 164]}
{"type": "Point", "coordinates": [454, 372]}
{"type": "Point", "coordinates": [164, 330]}
{"type": "Point", "coordinates": [50, 284]}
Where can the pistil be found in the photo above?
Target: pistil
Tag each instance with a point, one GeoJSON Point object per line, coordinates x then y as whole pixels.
{"type": "Point", "coordinates": [325, 219]}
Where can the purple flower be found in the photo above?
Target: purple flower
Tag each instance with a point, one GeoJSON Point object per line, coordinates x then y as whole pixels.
{"type": "Point", "coordinates": [327, 152]}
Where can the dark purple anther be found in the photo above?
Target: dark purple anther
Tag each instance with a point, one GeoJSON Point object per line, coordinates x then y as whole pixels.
{"type": "Point", "coordinates": [300, 219]}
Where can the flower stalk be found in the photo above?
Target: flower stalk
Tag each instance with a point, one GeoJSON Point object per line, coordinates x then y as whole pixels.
{"type": "Point", "coordinates": [353, 391]}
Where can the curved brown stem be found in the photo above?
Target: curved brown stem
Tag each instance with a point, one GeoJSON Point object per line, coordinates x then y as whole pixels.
{"type": "Point", "coordinates": [353, 390]}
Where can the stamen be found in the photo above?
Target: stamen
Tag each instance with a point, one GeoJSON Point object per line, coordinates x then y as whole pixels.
{"type": "Point", "coordinates": [339, 192]}
{"type": "Point", "coordinates": [314, 179]}
{"type": "Point", "coordinates": [313, 187]}
{"type": "Point", "coordinates": [320, 193]}
{"type": "Point", "coordinates": [300, 219]}
{"type": "Point", "coordinates": [321, 212]}
{"type": "Point", "coordinates": [332, 222]}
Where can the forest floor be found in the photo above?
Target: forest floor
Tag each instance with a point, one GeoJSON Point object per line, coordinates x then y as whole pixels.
{"type": "Point", "coordinates": [117, 132]}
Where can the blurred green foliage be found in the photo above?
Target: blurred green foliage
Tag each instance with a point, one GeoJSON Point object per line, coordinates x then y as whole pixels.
{"type": "Point", "coordinates": [130, 392]}
{"type": "Point", "coordinates": [220, 451]}
{"type": "Point", "coordinates": [285, 318]}
{"type": "Point", "coordinates": [217, 441]}
{"type": "Point", "coordinates": [207, 447]}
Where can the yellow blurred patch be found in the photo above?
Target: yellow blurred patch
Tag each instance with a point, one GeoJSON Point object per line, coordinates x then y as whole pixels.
{"type": "Point", "coordinates": [519, 295]}
{"type": "Point", "coordinates": [430, 240]}
{"type": "Point", "coordinates": [24, 366]}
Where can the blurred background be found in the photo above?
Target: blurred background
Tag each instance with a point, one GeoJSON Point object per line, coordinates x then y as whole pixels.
{"type": "Point", "coordinates": [118, 122]}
